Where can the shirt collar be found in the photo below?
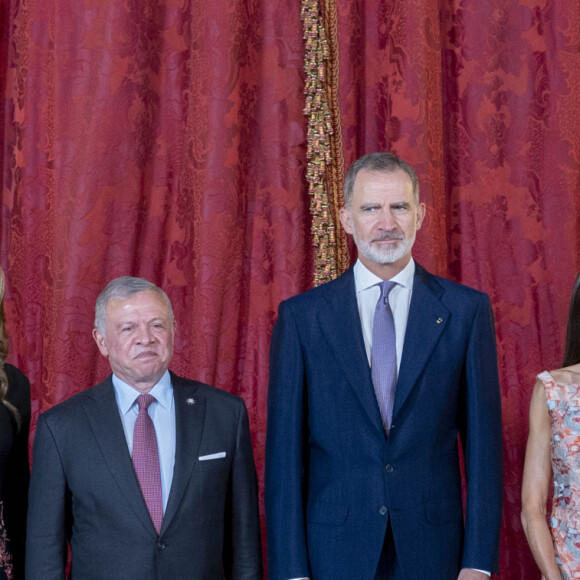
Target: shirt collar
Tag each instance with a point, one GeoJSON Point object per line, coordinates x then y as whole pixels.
{"type": "Point", "coordinates": [127, 395]}
{"type": "Point", "coordinates": [364, 278]}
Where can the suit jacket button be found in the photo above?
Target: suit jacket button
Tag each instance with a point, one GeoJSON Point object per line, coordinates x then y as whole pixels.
{"type": "Point", "coordinates": [383, 510]}
{"type": "Point", "coordinates": [160, 546]}
{"type": "Point", "coordinates": [389, 468]}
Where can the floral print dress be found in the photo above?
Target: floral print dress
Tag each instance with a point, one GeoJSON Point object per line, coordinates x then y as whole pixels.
{"type": "Point", "coordinates": [564, 408]}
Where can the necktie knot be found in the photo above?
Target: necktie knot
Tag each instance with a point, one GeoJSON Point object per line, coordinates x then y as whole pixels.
{"type": "Point", "coordinates": [144, 401]}
{"type": "Point", "coordinates": [386, 287]}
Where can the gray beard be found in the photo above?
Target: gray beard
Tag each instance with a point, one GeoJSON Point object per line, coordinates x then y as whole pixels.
{"type": "Point", "coordinates": [384, 255]}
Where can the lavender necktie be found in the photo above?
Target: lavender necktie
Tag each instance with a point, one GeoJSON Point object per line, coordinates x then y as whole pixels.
{"type": "Point", "coordinates": [384, 355]}
{"type": "Point", "coordinates": [146, 461]}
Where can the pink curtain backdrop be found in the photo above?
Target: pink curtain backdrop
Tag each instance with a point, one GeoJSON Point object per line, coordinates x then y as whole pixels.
{"type": "Point", "coordinates": [165, 139]}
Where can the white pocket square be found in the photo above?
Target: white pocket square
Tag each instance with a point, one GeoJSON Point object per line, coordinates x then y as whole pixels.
{"type": "Point", "coordinates": [212, 456]}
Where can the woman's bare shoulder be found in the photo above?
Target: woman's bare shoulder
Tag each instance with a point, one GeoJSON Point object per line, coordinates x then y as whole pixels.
{"type": "Point", "coordinates": [567, 375]}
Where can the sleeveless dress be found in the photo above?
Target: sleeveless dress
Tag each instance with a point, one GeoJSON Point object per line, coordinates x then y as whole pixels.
{"type": "Point", "coordinates": [564, 408]}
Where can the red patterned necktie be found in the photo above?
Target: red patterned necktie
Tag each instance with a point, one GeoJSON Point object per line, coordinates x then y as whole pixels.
{"type": "Point", "coordinates": [146, 461]}
{"type": "Point", "coordinates": [384, 355]}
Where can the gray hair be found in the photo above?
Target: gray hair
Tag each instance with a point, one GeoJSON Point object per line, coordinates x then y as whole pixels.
{"type": "Point", "coordinates": [121, 289]}
{"type": "Point", "coordinates": [380, 163]}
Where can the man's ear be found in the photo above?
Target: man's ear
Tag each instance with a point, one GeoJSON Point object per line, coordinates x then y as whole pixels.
{"type": "Point", "coordinates": [101, 342]}
{"type": "Point", "coordinates": [421, 213]}
{"type": "Point", "coordinates": [346, 220]}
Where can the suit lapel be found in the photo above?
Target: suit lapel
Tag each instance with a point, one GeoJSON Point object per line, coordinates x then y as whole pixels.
{"type": "Point", "coordinates": [427, 320]}
{"type": "Point", "coordinates": [189, 422]}
{"type": "Point", "coordinates": [340, 322]}
{"type": "Point", "coordinates": [103, 416]}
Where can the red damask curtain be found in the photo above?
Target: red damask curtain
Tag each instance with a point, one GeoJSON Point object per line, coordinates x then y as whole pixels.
{"type": "Point", "coordinates": [166, 139]}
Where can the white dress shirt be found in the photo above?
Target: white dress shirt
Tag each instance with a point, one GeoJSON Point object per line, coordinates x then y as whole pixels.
{"type": "Point", "coordinates": [162, 413]}
{"type": "Point", "coordinates": [368, 293]}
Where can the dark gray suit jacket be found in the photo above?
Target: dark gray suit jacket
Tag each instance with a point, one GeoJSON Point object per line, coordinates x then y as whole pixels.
{"type": "Point", "coordinates": [84, 490]}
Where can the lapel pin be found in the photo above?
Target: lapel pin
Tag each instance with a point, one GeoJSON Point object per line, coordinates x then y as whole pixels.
{"type": "Point", "coordinates": [439, 320]}
{"type": "Point", "coordinates": [190, 401]}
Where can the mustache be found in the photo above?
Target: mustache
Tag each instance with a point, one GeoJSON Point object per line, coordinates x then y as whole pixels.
{"type": "Point", "coordinates": [388, 236]}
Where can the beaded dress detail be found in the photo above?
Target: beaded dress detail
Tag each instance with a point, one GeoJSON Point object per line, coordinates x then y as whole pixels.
{"type": "Point", "coordinates": [5, 557]}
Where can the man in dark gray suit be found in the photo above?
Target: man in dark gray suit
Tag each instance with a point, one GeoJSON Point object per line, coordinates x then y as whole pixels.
{"type": "Point", "coordinates": [168, 492]}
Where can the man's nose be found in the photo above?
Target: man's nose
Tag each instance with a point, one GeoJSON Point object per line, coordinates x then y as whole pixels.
{"type": "Point", "coordinates": [386, 220]}
{"type": "Point", "coordinates": [144, 336]}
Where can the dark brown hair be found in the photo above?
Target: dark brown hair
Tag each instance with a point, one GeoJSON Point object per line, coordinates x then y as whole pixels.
{"type": "Point", "coordinates": [572, 352]}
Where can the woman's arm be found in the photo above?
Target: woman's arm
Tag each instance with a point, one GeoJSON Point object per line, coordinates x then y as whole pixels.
{"type": "Point", "coordinates": [537, 477]}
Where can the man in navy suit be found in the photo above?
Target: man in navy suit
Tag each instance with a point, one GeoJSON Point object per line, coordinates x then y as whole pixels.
{"type": "Point", "coordinates": [201, 519]}
{"type": "Point", "coordinates": [349, 494]}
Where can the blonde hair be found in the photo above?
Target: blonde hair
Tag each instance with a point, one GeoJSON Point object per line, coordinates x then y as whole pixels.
{"type": "Point", "coordinates": [4, 350]}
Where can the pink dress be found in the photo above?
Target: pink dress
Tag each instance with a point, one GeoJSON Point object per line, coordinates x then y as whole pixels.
{"type": "Point", "coordinates": [564, 408]}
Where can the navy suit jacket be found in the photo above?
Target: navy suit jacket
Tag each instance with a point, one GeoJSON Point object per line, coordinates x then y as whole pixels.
{"type": "Point", "coordinates": [83, 489]}
{"type": "Point", "coordinates": [333, 479]}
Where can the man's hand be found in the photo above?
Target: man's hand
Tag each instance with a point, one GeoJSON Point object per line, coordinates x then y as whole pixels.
{"type": "Point", "coordinates": [469, 574]}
